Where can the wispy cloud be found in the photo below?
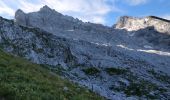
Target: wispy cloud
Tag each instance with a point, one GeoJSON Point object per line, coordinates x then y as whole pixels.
{"type": "Point", "coordinates": [136, 2]}
{"type": "Point", "coordinates": [5, 9]}
{"type": "Point", "coordinates": [86, 10]}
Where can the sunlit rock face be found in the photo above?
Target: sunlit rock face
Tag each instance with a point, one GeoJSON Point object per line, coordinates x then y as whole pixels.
{"type": "Point", "coordinates": [152, 29]}
{"type": "Point", "coordinates": [105, 59]}
{"type": "Point", "coordinates": [134, 24]}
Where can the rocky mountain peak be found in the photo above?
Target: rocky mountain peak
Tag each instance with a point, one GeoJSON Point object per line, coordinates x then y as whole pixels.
{"type": "Point", "coordinates": [61, 25]}
{"type": "Point", "coordinates": [135, 23]}
{"type": "Point", "coordinates": [45, 8]}
{"type": "Point", "coordinates": [20, 17]}
{"type": "Point", "coordinates": [19, 11]}
{"type": "Point", "coordinates": [158, 18]}
{"type": "Point", "coordinates": [46, 18]}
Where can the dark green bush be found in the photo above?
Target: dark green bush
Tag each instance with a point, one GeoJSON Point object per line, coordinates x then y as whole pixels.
{"type": "Point", "coordinates": [115, 71]}
{"type": "Point", "coordinates": [91, 71]}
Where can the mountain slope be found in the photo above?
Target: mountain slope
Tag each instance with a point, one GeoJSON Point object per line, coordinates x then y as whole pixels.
{"type": "Point", "coordinates": [102, 58]}
{"type": "Point", "coordinates": [23, 80]}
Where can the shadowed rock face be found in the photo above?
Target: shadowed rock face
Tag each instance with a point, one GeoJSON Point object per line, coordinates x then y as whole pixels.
{"type": "Point", "coordinates": [21, 18]}
{"type": "Point", "coordinates": [62, 25]}
{"type": "Point", "coordinates": [114, 57]}
{"type": "Point", "coordinates": [134, 24]}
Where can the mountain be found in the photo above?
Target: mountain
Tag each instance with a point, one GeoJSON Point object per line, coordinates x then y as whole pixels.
{"type": "Point", "coordinates": [21, 79]}
{"type": "Point", "coordinates": [134, 24]}
{"type": "Point", "coordinates": [127, 61]}
{"type": "Point", "coordinates": [153, 29]}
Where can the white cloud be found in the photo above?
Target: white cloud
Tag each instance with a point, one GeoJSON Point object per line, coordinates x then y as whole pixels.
{"type": "Point", "coordinates": [5, 10]}
{"type": "Point", "coordinates": [28, 6]}
{"type": "Point", "coordinates": [136, 2]}
{"type": "Point", "coordinates": [86, 10]}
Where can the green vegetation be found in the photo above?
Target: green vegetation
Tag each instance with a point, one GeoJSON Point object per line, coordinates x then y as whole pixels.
{"type": "Point", "coordinates": [23, 80]}
{"type": "Point", "coordinates": [115, 71]}
{"type": "Point", "coordinates": [143, 88]}
{"type": "Point", "coordinates": [139, 87]}
{"type": "Point", "coordinates": [91, 71]}
{"type": "Point", "coordinates": [160, 76]}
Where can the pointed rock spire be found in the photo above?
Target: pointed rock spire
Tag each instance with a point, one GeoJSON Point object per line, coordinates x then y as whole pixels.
{"type": "Point", "coordinates": [45, 8]}
{"type": "Point", "coordinates": [20, 17]}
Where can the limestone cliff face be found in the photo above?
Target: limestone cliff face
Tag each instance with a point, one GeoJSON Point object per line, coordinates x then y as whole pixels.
{"type": "Point", "coordinates": [62, 25]}
{"type": "Point", "coordinates": [49, 19]}
{"type": "Point", "coordinates": [134, 24]}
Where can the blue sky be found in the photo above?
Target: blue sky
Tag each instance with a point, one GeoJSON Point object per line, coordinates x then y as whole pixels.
{"type": "Point", "coordinates": [105, 12]}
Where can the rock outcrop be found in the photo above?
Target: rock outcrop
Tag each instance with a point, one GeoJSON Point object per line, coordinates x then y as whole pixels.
{"type": "Point", "coordinates": [134, 24]}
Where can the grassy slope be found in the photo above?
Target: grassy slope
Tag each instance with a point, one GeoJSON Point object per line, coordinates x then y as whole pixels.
{"type": "Point", "coordinates": [23, 80]}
